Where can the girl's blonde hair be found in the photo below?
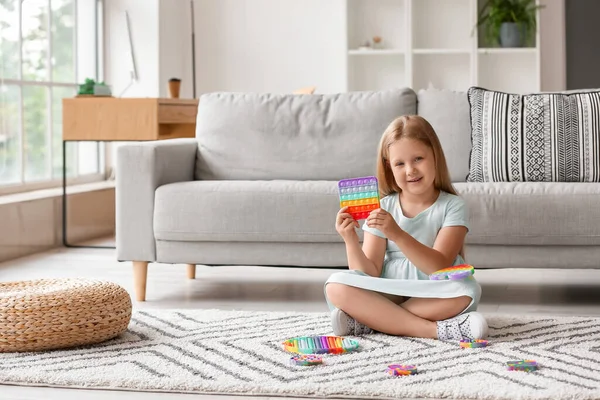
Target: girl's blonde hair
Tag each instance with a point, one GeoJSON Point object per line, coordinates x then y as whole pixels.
{"type": "Point", "coordinates": [417, 128]}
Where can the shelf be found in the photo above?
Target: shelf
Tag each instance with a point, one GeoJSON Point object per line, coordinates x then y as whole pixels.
{"type": "Point", "coordinates": [442, 71]}
{"type": "Point", "coordinates": [523, 76]}
{"type": "Point", "coordinates": [441, 24]}
{"type": "Point", "coordinates": [507, 50]}
{"type": "Point", "coordinates": [432, 44]}
{"type": "Point", "coordinates": [380, 52]}
{"type": "Point", "coordinates": [441, 51]}
{"type": "Point", "coordinates": [376, 73]}
{"type": "Point", "coordinates": [383, 18]}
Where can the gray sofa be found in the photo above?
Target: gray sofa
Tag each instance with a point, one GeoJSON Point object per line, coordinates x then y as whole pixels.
{"type": "Point", "coordinates": [257, 186]}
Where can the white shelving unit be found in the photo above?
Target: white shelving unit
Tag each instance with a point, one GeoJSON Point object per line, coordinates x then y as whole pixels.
{"type": "Point", "coordinates": [432, 43]}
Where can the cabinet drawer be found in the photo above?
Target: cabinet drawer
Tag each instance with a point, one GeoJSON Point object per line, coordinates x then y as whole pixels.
{"type": "Point", "coordinates": [177, 113]}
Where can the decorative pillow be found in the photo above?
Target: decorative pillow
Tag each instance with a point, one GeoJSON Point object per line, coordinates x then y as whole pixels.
{"type": "Point", "coordinates": [543, 137]}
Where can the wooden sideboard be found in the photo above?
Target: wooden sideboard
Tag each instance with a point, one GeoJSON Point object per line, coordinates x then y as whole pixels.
{"type": "Point", "coordinates": [128, 119]}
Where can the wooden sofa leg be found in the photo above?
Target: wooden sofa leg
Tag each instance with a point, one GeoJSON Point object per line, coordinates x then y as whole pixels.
{"type": "Point", "coordinates": [191, 271]}
{"type": "Point", "coordinates": [140, 273]}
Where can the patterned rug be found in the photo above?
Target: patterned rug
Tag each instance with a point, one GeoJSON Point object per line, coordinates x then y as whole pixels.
{"type": "Point", "coordinates": [234, 352]}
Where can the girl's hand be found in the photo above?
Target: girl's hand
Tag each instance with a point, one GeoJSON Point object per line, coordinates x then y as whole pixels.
{"type": "Point", "coordinates": [345, 224]}
{"type": "Point", "coordinates": [383, 220]}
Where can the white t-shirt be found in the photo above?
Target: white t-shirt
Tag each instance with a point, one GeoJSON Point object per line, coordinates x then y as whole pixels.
{"type": "Point", "coordinates": [447, 210]}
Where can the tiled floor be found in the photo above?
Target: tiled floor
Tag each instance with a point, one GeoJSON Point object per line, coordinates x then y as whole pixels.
{"type": "Point", "coordinates": [524, 291]}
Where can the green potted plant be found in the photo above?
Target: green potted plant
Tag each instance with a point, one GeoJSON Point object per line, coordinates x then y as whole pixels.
{"type": "Point", "coordinates": [509, 23]}
{"type": "Point", "coordinates": [93, 88]}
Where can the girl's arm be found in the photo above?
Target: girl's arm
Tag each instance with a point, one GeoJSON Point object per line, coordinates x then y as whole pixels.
{"type": "Point", "coordinates": [369, 259]}
{"type": "Point", "coordinates": [448, 243]}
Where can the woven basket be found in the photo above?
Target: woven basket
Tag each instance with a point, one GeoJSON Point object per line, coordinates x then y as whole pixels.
{"type": "Point", "coordinates": [56, 313]}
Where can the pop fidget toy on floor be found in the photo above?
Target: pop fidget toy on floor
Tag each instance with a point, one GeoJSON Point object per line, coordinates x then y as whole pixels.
{"type": "Point", "coordinates": [472, 344]}
{"type": "Point", "coordinates": [522, 365]}
{"type": "Point", "coordinates": [320, 345]}
{"type": "Point", "coordinates": [400, 370]}
{"type": "Point", "coordinates": [360, 195]}
{"type": "Point", "coordinates": [306, 359]}
{"type": "Point", "coordinates": [457, 272]}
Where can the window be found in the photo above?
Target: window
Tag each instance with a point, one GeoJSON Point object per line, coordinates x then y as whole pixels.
{"type": "Point", "coordinates": [46, 48]}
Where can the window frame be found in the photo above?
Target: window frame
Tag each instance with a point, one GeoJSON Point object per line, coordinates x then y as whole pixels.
{"type": "Point", "coordinates": [49, 84]}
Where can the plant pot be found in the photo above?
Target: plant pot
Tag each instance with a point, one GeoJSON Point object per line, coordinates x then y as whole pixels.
{"type": "Point", "coordinates": [511, 35]}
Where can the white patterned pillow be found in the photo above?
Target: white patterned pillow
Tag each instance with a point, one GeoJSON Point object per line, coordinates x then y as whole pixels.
{"type": "Point", "coordinates": [544, 137]}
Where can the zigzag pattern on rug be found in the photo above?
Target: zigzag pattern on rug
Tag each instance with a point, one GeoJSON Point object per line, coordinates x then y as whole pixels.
{"type": "Point", "coordinates": [241, 352]}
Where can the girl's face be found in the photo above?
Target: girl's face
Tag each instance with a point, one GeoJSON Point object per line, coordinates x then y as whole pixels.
{"type": "Point", "coordinates": [413, 166]}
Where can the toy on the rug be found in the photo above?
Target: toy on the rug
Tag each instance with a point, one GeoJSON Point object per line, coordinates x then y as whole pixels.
{"type": "Point", "coordinates": [456, 272]}
{"type": "Point", "coordinates": [522, 365]}
{"type": "Point", "coordinates": [472, 344]}
{"type": "Point", "coordinates": [306, 359]}
{"type": "Point", "coordinates": [320, 345]}
{"type": "Point", "coordinates": [360, 195]}
{"type": "Point", "coordinates": [400, 370]}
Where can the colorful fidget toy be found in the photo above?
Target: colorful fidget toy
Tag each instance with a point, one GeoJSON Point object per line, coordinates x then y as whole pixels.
{"type": "Point", "coordinates": [522, 365]}
{"type": "Point", "coordinates": [361, 195]}
{"type": "Point", "coordinates": [306, 359]}
{"type": "Point", "coordinates": [477, 343]}
{"type": "Point", "coordinates": [461, 271]}
{"type": "Point", "coordinates": [400, 370]}
{"type": "Point", "coordinates": [320, 345]}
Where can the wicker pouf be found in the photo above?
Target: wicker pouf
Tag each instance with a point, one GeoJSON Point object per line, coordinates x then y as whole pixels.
{"type": "Point", "coordinates": [56, 313]}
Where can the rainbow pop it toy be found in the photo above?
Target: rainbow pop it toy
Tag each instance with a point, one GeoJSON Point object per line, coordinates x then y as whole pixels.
{"type": "Point", "coordinates": [361, 195]}
{"type": "Point", "coordinates": [522, 365]}
{"type": "Point", "coordinates": [306, 359]}
{"type": "Point", "coordinates": [453, 273]}
{"type": "Point", "coordinates": [320, 345]}
{"type": "Point", "coordinates": [472, 344]}
{"type": "Point", "coordinates": [400, 370]}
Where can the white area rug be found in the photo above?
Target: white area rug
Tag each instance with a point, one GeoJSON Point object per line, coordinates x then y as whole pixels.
{"type": "Point", "coordinates": [234, 352]}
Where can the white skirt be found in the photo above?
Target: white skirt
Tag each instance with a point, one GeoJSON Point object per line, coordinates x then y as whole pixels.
{"type": "Point", "coordinates": [399, 277]}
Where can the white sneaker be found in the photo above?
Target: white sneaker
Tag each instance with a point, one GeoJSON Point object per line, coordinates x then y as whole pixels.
{"type": "Point", "coordinates": [470, 325]}
{"type": "Point", "coordinates": [343, 324]}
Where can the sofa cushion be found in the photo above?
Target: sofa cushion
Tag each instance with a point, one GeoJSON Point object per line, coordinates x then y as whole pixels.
{"type": "Point", "coordinates": [500, 213]}
{"type": "Point", "coordinates": [448, 113]}
{"type": "Point", "coordinates": [532, 213]}
{"type": "Point", "coordinates": [247, 211]}
{"type": "Point", "coordinates": [540, 137]}
{"type": "Point", "coordinates": [247, 136]}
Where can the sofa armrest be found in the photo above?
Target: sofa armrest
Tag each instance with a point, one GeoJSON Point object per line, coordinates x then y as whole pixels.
{"type": "Point", "coordinates": [141, 168]}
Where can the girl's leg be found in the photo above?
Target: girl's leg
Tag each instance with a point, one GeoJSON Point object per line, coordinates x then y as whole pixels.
{"type": "Point", "coordinates": [471, 325]}
{"type": "Point", "coordinates": [380, 313]}
{"type": "Point", "coordinates": [414, 317]}
{"type": "Point", "coordinates": [395, 299]}
{"type": "Point", "coordinates": [436, 309]}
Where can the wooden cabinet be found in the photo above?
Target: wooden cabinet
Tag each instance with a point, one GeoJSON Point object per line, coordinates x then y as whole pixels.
{"type": "Point", "coordinates": [128, 119]}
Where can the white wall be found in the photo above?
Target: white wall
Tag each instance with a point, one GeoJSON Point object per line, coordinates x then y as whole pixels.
{"type": "Point", "coordinates": [143, 16]}
{"type": "Point", "coordinates": [270, 45]}
{"type": "Point", "coordinates": [161, 32]}
{"type": "Point", "coordinates": [258, 45]}
{"type": "Point", "coordinates": [175, 46]}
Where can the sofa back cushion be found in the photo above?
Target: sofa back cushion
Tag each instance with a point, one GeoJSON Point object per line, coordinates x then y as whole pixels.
{"type": "Point", "coordinates": [247, 136]}
{"type": "Point", "coordinates": [448, 113]}
{"type": "Point", "coordinates": [539, 137]}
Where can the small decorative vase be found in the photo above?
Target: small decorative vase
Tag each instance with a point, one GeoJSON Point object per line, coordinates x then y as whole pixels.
{"type": "Point", "coordinates": [511, 35]}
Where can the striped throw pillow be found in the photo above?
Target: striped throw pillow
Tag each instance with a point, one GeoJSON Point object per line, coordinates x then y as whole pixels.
{"type": "Point", "coordinates": [543, 137]}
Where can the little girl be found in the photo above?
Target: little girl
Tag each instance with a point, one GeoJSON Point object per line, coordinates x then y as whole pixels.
{"type": "Point", "coordinates": [419, 229]}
